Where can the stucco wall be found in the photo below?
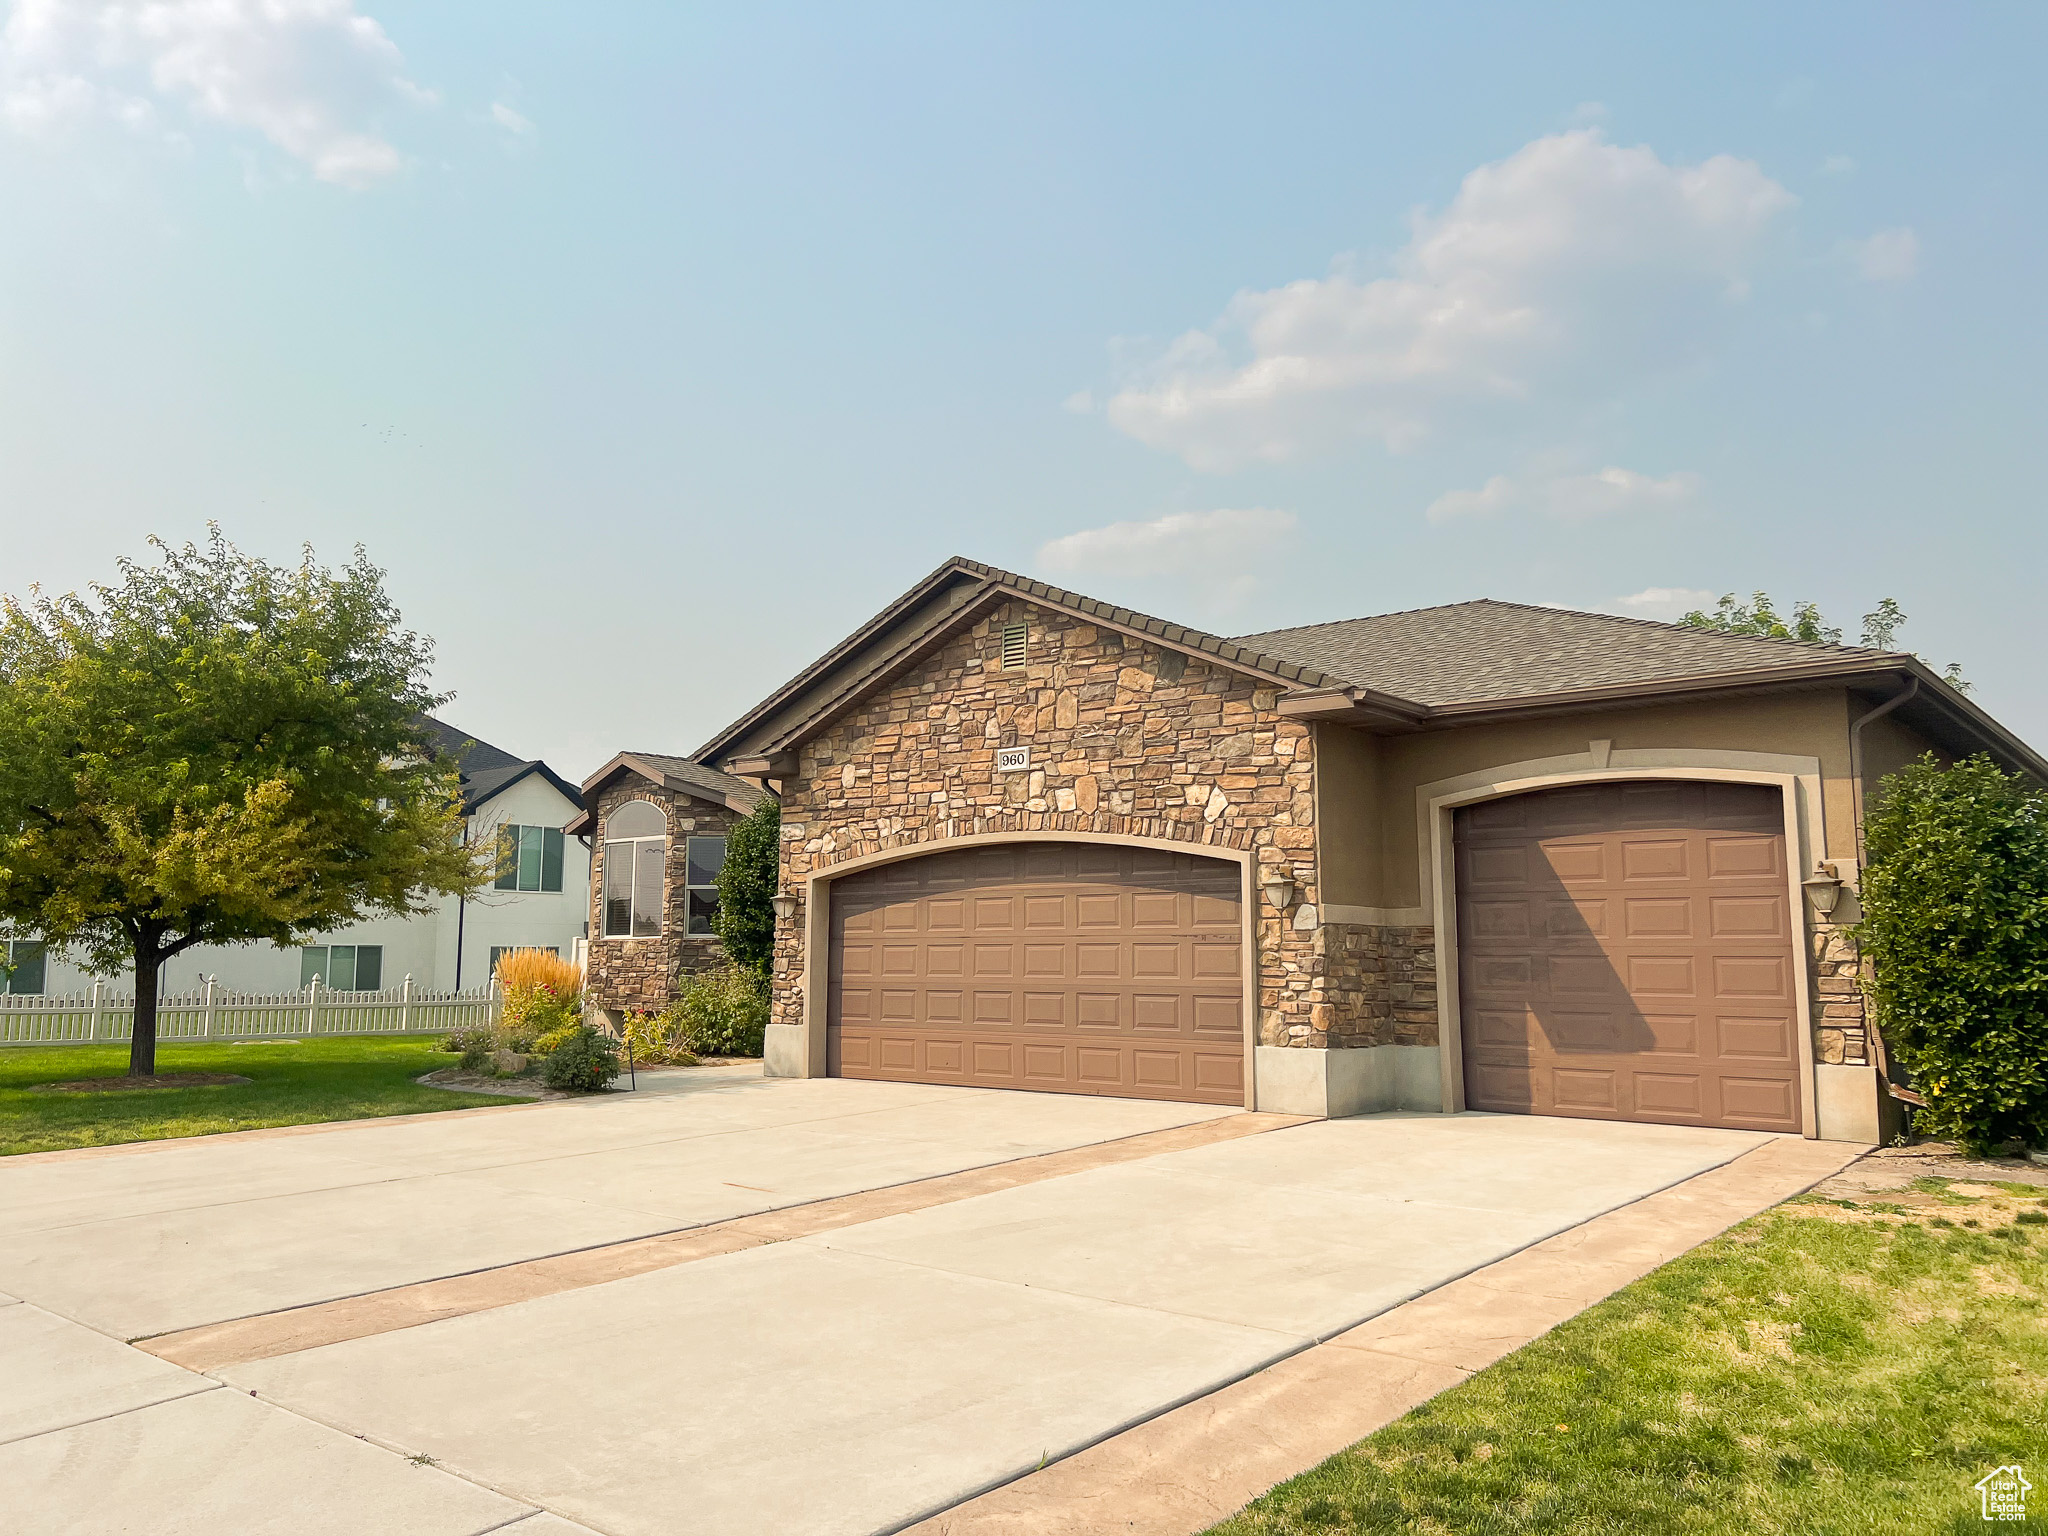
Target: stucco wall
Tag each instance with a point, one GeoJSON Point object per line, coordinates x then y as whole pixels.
{"type": "Point", "coordinates": [1127, 739]}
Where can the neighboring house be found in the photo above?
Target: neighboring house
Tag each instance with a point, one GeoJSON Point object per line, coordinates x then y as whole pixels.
{"type": "Point", "coordinates": [658, 825]}
{"type": "Point", "coordinates": [520, 805]}
{"type": "Point", "coordinates": [1483, 855]}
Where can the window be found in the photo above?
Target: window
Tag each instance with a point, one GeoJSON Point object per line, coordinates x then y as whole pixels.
{"type": "Point", "coordinates": [1016, 645]}
{"type": "Point", "coordinates": [529, 858]}
{"type": "Point", "coordinates": [635, 856]}
{"type": "Point", "coordinates": [343, 967]}
{"type": "Point", "coordinates": [499, 951]}
{"type": "Point", "coordinates": [705, 857]}
{"type": "Point", "coordinates": [23, 965]}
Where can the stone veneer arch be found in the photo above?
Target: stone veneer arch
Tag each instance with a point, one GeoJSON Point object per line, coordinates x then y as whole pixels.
{"type": "Point", "coordinates": [800, 1049]}
{"type": "Point", "coordinates": [1798, 779]}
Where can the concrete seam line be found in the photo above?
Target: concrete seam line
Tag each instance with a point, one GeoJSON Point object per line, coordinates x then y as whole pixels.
{"type": "Point", "coordinates": [204, 1385]}
{"type": "Point", "coordinates": [809, 1217]}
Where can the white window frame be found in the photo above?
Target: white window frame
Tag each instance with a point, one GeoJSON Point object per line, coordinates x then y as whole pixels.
{"type": "Point", "coordinates": [640, 847]}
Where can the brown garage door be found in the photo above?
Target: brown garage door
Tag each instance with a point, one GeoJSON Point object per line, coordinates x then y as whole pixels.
{"type": "Point", "coordinates": [1625, 953]}
{"type": "Point", "coordinates": [1069, 967]}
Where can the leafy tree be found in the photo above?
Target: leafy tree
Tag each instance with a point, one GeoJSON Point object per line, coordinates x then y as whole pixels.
{"type": "Point", "coordinates": [217, 751]}
{"type": "Point", "coordinates": [1955, 917]}
{"type": "Point", "coordinates": [746, 888]}
{"type": "Point", "coordinates": [1759, 616]}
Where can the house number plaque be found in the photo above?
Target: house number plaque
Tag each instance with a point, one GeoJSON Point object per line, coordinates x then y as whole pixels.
{"type": "Point", "coordinates": [1012, 759]}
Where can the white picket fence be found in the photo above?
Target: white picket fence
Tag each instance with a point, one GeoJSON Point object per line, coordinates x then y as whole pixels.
{"type": "Point", "coordinates": [217, 1014]}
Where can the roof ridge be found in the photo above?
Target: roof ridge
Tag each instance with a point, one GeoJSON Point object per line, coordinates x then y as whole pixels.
{"type": "Point", "coordinates": [1584, 613]}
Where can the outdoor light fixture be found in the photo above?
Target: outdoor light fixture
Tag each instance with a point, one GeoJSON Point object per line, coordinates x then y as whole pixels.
{"type": "Point", "coordinates": [784, 904]}
{"type": "Point", "coordinates": [1824, 888]}
{"type": "Point", "coordinates": [1279, 890]}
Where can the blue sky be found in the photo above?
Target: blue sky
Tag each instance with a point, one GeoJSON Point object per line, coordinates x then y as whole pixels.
{"type": "Point", "coordinates": [652, 348]}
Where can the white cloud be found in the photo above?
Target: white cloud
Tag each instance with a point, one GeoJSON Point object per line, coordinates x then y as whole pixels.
{"type": "Point", "coordinates": [1573, 498]}
{"type": "Point", "coordinates": [509, 120]}
{"type": "Point", "coordinates": [1666, 602]}
{"type": "Point", "coordinates": [1218, 557]}
{"type": "Point", "coordinates": [1889, 256]}
{"type": "Point", "coordinates": [1570, 267]}
{"type": "Point", "coordinates": [309, 75]}
{"type": "Point", "coordinates": [1838, 165]}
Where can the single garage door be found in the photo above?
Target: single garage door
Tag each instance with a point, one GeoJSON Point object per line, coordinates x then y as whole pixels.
{"type": "Point", "coordinates": [1625, 953]}
{"type": "Point", "coordinates": [1068, 967]}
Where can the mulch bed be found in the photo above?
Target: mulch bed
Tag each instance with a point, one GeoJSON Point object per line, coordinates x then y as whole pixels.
{"type": "Point", "coordinates": [128, 1084]}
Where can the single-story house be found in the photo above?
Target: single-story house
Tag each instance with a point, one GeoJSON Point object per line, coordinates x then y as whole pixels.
{"type": "Point", "coordinates": [519, 805]}
{"type": "Point", "coordinates": [657, 825]}
{"type": "Point", "coordinates": [1483, 855]}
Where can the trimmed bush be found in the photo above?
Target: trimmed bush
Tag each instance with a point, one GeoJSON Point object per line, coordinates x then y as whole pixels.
{"type": "Point", "coordinates": [585, 1062]}
{"type": "Point", "coordinates": [1955, 918]}
{"type": "Point", "coordinates": [746, 890]}
{"type": "Point", "coordinates": [722, 1011]}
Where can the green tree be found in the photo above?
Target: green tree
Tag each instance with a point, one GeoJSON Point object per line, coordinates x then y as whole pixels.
{"type": "Point", "coordinates": [746, 889]}
{"type": "Point", "coordinates": [1759, 616]}
{"type": "Point", "coordinates": [217, 751]}
{"type": "Point", "coordinates": [1955, 919]}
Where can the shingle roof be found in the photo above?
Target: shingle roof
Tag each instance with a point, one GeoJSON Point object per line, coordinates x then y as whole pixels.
{"type": "Point", "coordinates": [1468, 653]}
{"type": "Point", "coordinates": [720, 786]}
{"type": "Point", "coordinates": [487, 770]}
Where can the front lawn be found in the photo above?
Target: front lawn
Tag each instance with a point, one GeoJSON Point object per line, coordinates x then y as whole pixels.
{"type": "Point", "coordinates": [1827, 1367]}
{"type": "Point", "coordinates": [292, 1082]}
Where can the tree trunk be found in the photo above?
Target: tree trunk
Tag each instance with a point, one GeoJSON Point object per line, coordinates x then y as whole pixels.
{"type": "Point", "coordinates": [142, 1044]}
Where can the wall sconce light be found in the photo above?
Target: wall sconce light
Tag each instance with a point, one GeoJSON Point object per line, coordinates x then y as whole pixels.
{"type": "Point", "coordinates": [1823, 888]}
{"type": "Point", "coordinates": [1279, 890]}
{"type": "Point", "coordinates": [784, 904]}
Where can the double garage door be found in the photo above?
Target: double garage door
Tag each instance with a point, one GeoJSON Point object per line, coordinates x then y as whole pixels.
{"type": "Point", "coordinates": [1625, 953]}
{"type": "Point", "coordinates": [1068, 967]}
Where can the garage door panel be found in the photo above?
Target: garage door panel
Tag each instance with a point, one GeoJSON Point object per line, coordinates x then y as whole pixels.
{"type": "Point", "coordinates": [1660, 976]}
{"type": "Point", "coordinates": [1669, 1093]}
{"type": "Point", "coordinates": [1753, 976]}
{"type": "Point", "coordinates": [1760, 1039]}
{"type": "Point", "coordinates": [1089, 969]}
{"type": "Point", "coordinates": [1650, 859]}
{"type": "Point", "coordinates": [1622, 1000]}
{"type": "Point", "coordinates": [1657, 917]}
{"type": "Point", "coordinates": [1584, 1087]}
{"type": "Point", "coordinates": [1744, 858]}
{"type": "Point", "coordinates": [1746, 917]}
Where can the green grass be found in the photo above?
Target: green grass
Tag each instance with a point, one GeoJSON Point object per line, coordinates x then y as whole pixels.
{"type": "Point", "coordinates": [292, 1082]}
{"type": "Point", "coordinates": [1820, 1369]}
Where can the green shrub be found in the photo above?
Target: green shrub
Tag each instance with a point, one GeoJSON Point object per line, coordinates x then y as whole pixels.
{"type": "Point", "coordinates": [722, 1011]}
{"type": "Point", "coordinates": [585, 1062]}
{"type": "Point", "coordinates": [469, 1038]}
{"type": "Point", "coordinates": [1955, 919]}
{"type": "Point", "coordinates": [547, 1044]}
{"type": "Point", "coordinates": [531, 1012]}
{"type": "Point", "coordinates": [660, 1039]}
{"type": "Point", "coordinates": [746, 891]}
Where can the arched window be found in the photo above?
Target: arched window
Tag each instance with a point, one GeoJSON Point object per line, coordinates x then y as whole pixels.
{"type": "Point", "coordinates": [635, 867]}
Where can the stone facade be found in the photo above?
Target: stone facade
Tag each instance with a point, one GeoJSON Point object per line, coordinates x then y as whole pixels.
{"type": "Point", "coordinates": [1841, 1034]}
{"type": "Point", "coordinates": [640, 974]}
{"type": "Point", "coordinates": [1127, 738]}
{"type": "Point", "coordinates": [1381, 985]}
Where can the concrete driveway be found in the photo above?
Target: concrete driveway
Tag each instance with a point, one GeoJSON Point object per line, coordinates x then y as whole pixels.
{"type": "Point", "coordinates": [853, 1378]}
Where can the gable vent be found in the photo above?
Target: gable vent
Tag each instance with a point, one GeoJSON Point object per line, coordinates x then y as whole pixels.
{"type": "Point", "coordinates": [1016, 645]}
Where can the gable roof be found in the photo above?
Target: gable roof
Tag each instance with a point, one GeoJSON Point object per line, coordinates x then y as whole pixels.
{"type": "Point", "coordinates": [682, 775]}
{"type": "Point", "coordinates": [489, 771]}
{"type": "Point", "coordinates": [1422, 669]}
{"type": "Point", "coordinates": [1487, 650]}
{"type": "Point", "coordinates": [955, 593]}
